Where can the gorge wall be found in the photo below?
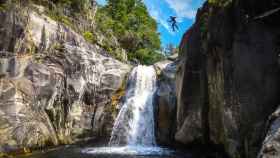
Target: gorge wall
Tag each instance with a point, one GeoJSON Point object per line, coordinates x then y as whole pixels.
{"type": "Point", "coordinates": [228, 79]}
{"type": "Point", "coordinates": [55, 88]}
{"type": "Point", "coordinates": [166, 102]}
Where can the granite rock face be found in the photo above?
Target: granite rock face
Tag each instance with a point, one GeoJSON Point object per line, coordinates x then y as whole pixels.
{"type": "Point", "coordinates": [61, 94]}
{"type": "Point", "coordinates": [227, 82]}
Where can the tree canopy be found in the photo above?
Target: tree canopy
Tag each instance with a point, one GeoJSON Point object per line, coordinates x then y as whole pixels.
{"type": "Point", "coordinates": [126, 20]}
{"type": "Point", "coordinates": [134, 28]}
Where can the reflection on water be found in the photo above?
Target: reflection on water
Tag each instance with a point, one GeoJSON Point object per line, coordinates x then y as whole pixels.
{"type": "Point", "coordinates": [103, 152]}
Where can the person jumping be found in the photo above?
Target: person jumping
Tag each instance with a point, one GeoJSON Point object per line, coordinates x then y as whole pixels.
{"type": "Point", "coordinates": [173, 22]}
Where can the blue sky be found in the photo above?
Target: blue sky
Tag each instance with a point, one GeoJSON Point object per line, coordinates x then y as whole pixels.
{"type": "Point", "coordinates": [160, 10]}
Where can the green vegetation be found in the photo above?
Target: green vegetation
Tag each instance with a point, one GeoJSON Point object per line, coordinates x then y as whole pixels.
{"type": "Point", "coordinates": [204, 25]}
{"type": "Point", "coordinates": [220, 3]}
{"type": "Point", "coordinates": [89, 37]}
{"type": "Point", "coordinates": [74, 5]}
{"type": "Point", "coordinates": [146, 56]}
{"type": "Point", "coordinates": [123, 28]}
{"type": "Point", "coordinates": [2, 7]}
{"type": "Point", "coordinates": [126, 22]}
{"type": "Point", "coordinates": [60, 18]}
{"type": "Point", "coordinates": [135, 30]}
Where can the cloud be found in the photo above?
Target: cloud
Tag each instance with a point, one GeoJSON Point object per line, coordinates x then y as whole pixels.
{"type": "Point", "coordinates": [160, 10]}
{"type": "Point", "coordinates": [158, 14]}
{"type": "Point", "coordinates": [160, 19]}
{"type": "Point", "coordinates": [184, 8]}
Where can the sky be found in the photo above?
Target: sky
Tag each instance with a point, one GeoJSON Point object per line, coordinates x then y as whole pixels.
{"type": "Point", "coordinates": [160, 10]}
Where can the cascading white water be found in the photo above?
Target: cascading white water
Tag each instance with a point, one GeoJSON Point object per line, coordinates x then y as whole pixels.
{"type": "Point", "coordinates": [134, 125]}
{"type": "Point", "coordinates": [133, 132]}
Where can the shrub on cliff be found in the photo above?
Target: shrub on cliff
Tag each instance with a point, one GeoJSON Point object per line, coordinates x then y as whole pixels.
{"type": "Point", "coordinates": [221, 3]}
{"type": "Point", "coordinates": [147, 56]}
{"type": "Point", "coordinates": [75, 5]}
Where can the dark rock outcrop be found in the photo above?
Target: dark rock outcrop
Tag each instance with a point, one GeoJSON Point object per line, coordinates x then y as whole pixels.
{"type": "Point", "coordinates": [166, 99]}
{"type": "Point", "coordinates": [227, 78]}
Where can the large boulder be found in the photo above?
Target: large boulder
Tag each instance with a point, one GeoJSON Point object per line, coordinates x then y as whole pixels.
{"type": "Point", "coordinates": [60, 95]}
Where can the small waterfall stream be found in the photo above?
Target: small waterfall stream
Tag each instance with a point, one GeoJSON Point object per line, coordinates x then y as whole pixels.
{"type": "Point", "coordinates": [135, 122]}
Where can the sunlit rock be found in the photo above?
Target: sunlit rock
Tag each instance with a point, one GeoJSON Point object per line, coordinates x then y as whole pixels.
{"type": "Point", "coordinates": [58, 96]}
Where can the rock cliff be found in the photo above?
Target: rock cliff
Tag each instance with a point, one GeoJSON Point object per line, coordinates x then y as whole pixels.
{"type": "Point", "coordinates": [166, 101]}
{"type": "Point", "coordinates": [228, 77]}
{"type": "Point", "coordinates": [55, 88]}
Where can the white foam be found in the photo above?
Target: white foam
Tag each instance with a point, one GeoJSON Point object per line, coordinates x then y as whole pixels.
{"type": "Point", "coordinates": [135, 122]}
{"type": "Point", "coordinates": [128, 150]}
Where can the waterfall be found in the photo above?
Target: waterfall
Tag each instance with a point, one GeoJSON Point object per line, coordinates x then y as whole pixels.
{"type": "Point", "coordinates": [134, 125]}
{"type": "Point", "coordinates": [133, 131]}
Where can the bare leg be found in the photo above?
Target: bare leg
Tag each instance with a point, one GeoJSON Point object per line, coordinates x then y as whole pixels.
{"type": "Point", "coordinates": [173, 27]}
{"type": "Point", "coordinates": [176, 26]}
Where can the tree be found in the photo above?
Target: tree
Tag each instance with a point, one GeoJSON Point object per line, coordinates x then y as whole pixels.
{"type": "Point", "coordinates": [135, 29]}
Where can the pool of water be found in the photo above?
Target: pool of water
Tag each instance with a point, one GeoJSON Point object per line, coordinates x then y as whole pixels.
{"type": "Point", "coordinates": [112, 152]}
